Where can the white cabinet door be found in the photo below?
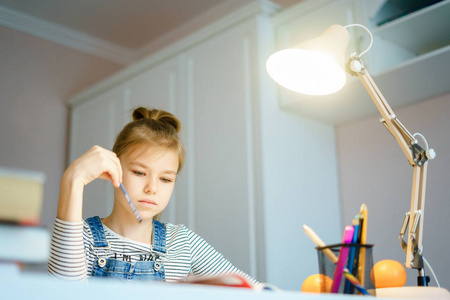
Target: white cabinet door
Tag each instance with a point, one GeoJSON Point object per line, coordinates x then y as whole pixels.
{"type": "Point", "coordinates": [156, 88]}
{"type": "Point", "coordinates": [94, 123]}
{"type": "Point", "coordinates": [219, 100]}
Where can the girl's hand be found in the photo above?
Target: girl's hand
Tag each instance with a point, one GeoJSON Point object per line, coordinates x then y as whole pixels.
{"type": "Point", "coordinates": [97, 162]}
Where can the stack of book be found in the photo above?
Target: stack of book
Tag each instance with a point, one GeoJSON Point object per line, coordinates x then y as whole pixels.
{"type": "Point", "coordinates": [22, 239]}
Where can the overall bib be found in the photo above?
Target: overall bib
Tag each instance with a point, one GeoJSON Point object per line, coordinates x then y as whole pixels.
{"type": "Point", "coordinates": [150, 269]}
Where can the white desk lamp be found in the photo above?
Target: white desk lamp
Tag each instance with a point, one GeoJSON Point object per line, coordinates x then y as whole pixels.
{"type": "Point", "coordinates": [317, 67]}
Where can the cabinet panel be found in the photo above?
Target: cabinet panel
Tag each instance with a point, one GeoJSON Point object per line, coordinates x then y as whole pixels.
{"type": "Point", "coordinates": [156, 88]}
{"type": "Point", "coordinates": [218, 91]}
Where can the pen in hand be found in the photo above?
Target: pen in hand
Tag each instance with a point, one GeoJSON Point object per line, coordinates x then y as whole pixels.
{"type": "Point", "coordinates": [133, 208]}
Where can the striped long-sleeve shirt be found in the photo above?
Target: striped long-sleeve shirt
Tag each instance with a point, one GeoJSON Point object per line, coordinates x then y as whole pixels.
{"type": "Point", "coordinates": [72, 255]}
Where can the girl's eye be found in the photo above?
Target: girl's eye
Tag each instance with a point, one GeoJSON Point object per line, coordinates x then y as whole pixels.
{"type": "Point", "coordinates": [166, 179]}
{"type": "Point", "coordinates": [139, 173]}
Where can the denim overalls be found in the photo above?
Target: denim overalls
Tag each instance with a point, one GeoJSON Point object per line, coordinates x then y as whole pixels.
{"type": "Point", "coordinates": [153, 269]}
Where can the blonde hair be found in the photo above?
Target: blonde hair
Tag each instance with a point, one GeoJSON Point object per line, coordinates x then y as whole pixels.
{"type": "Point", "coordinates": [154, 128]}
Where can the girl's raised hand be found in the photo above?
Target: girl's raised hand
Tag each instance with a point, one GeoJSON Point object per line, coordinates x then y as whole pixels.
{"type": "Point", "coordinates": [97, 162]}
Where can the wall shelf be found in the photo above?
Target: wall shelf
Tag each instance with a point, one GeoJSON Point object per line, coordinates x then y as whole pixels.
{"type": "Point", "coordinates": [413, 35]}
{"type": "Point", "coordinates": [408, 60]}
{"type": "Point", "coordinates": [419, 32]}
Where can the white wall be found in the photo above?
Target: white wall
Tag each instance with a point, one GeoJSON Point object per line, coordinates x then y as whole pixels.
{"type": "Point", "coordinates": [36, 78]}
{"type": "Point", "coordinates": [374, 170]}
{"type": "Point", "coordinates": [300, 186]}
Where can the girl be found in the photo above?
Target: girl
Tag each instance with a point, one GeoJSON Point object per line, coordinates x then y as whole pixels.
{"type": "Point", "coordinates": [146, 158]}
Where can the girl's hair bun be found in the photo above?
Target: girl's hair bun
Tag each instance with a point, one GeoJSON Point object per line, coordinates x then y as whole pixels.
{"type": "Point", "coordinates": [157, 115]}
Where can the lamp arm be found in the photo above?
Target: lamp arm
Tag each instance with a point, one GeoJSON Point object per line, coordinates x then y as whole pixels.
{"type": "Point", "coordinates": [390, 121]}
{"type": "Point", "coordinates": [417, 157]}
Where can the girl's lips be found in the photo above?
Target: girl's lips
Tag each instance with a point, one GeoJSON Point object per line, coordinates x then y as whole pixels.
{"type": "Point", "coordinates": [147, 203]}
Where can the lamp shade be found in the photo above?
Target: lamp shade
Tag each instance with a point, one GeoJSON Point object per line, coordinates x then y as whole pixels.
{"type": "Point", "coordinates": [315, 67]}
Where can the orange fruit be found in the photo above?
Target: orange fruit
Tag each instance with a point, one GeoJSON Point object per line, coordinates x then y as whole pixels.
{"type": "Point", "coordinates": [388, 273]}
{"type": "Point", "coordinates": [317, 283]}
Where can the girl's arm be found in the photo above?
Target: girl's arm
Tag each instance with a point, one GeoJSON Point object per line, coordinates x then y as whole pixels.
{"type": "Point", "coordinates": [67, 254]}
{"type": "Point", "coordinates": [206, 261]}
{"type": "Point", "coordinates": [95, 163]}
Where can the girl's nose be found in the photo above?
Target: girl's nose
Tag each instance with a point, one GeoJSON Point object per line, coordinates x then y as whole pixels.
{"type": "Point", "coordinates": [151, 187]}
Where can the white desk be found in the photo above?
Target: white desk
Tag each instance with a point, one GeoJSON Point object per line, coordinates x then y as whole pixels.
{"type": "Point", "coordinates": [29, 286]}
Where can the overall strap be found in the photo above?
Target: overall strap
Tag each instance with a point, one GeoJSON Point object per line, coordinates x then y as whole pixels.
{"type": "Point", "coordinates": [97, 232]}
{"type": "Point", "coordinates": [159, 237]}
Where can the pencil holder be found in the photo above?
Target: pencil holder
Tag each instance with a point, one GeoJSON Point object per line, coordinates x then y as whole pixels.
{"type": "Point", "coordinates": [350, 275]}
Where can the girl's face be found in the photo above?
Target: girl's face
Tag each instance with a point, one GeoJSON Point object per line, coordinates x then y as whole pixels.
{"type": "Point", "coordinates": [149, 180]}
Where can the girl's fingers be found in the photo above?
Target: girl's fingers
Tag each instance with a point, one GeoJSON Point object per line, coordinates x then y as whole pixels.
{"type": "Point", "coordinates": [98, 162]}
{"type": "Point", "coordinates": [114, 168]}
{"type": "Point", "coordinates": [120, 171]}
